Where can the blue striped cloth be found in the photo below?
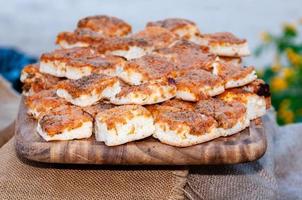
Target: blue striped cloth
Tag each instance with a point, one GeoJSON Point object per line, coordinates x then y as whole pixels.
{"type": "Point", "coordinates": [12, 62]}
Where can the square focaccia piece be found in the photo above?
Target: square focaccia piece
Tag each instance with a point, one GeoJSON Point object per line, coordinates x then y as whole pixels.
{"type": "Point", "coordinates": [231, 116]}
{"type": "Point", "coordinates": [255, 104]}
{"type": "Point", "coordinates": [89, 89]}
{"type": "Point", "coordinates": [54, 62]}
{"type": "Point", "coordinates": [194, 84]}
{"type": "Point", "coordinates": [100, 64]}
{"type": "Point", "coordinates": [65, 122]}
{"type": "Point", "coordinates": [79, 38]}
{"type": "Point", "coordinates": [182, 128]}
{"type": "Point", "coordinates": [127, 47]}
{"type": "Point", "coordinates": [148, 68]}
{"type": "Point", "coordinates": [182, 27]}
{"type": "Point", "coordinates": [225, 44]}
{"type": "Point", "coordinates": [34, 81]}
{"type": "Point", "coordinates": [187, 55]}
{"type": "Point", "coordinates": [157, 36]}
{"type": "Point", "coordinates": [146, 93]}
{"type": "Point", "coordinates": [40, 103]}
{"type": "Point", "coordinates": [106, 25]}
{"type": "Point", "coordinates": [235, 75]}
{"type": "Point", "coordinates": [123, 124]}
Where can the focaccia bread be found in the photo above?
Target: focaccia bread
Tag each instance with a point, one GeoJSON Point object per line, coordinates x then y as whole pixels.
{"type": "Point", "coordinates": [168, 80]}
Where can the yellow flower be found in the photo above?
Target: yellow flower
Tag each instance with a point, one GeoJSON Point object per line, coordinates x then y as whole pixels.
{"type": "Point", "coordinates": [293, 57]}
{"type": "Point", "coordinates": [292, 27]}
{"type": "Point", "coordinates": [265, 37]}
{"type": "Point", "coordinates": [285, 113]}
{"type": "Point", "coordinates": [287, 72]}
{"type": "Point", "coordinates": [278, 83]}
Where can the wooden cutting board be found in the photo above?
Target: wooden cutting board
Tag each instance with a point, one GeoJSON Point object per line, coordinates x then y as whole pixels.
{"type": "Point", "coordinates": [248, 145]}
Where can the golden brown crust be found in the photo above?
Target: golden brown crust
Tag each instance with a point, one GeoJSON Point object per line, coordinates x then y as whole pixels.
{"type": "Point", "coordinates": [186, 55]}
{"type": "Point", "coordinates": [180, 104]}
{"type": "Point", "coordinates": [66, 117]}
{"type": "Point", "coordinates": [36, 81]}
{"type": "Point", "coordinates": [195, 79]}
{"type": "Point", "coordinates": [151, 67]}
{"type": "Point", "coordinates": [235, 94]}
{"type": "Point", "coordinates": [227, 114]}
{"type": "Point", "coordinates": [231, 60]}
{"type": "Point", "coordinates": [123, 43]}
{"type": "Point", "coordinates": [144, 89]}
{"type": "Point", "coordinates": [97, 108]}
{"type": "Point", "coordinates": [121, 114]}
{"type": "Point", "coordinates": [171, 24]}
{"type": "Point", "coordinates": [177, 119]}
{"type": "Point", "coordinates": [97, 63]}
{"type": "Point", "coordinates": [81, 35]}
{"type": "Point", "coordinates": [228, 71]}
{"type": "Point", "coordinates": [222, 38]}
{"type": "Point", "coordinates": [159, 37]}
{"type": "Point", "coordinates": [87, 84]}
{"type": "Point", "coordinates": [44, 101]}
{"type": "Point", "coordinates": [65, 55]}
{"type": "Point", "coordinates": [107, 25]}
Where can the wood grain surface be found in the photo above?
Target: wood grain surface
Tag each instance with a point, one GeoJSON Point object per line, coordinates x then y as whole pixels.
{"type": "Point", "coordinates": [248, 145]}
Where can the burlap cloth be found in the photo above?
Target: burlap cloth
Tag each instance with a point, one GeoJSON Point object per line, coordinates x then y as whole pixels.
{"type": "Point", "coordinates": [277, 175]}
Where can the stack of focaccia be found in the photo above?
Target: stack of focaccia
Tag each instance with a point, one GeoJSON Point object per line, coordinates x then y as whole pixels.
{"type": "Point", "coordinates": [169, 81]}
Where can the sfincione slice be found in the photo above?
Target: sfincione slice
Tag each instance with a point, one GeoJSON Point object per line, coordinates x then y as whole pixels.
{"type": "Point", "coordinates": [79, 38]}
{"type": "Point", "coordinates": [146, 93]}
{"type": "Point", "coordinates": [148, 68]}
{"type": "Point", "coordinates": [65, 122]}
{"type": "Point", "coordinates": [224, 44]}
{"type": "Point", "coordinates": [255, 104]}
{"type": "Point", "coordinates": [187, 55]}
{"type": "Point", "coordinates": [89, 89]}
{"type": "Point", "coordinates": [231, 116]}
{"type": "Point", "coordinates": [34, 81]}
{"type": "Point", "coordinates": [235, 75]}
{"type": "Point", "coordinates": [123, 124]}
{"type": "Point", "coordinates": [194, 84]}
{"type": "Point", "coordinates": [182, 27]}
{"type": "Point", "coordinates": [40, 103]}
{"type": "Point", "coordinates": [54, 62]}
{"type": "Point", "coordinates": [99, 64]}
{"type": "Point", "coordinates": [157, 36]}
{"type": "Point", "coordinates": [106, 25]}
{"type": "Point", "coordinates": [127, 47]}
{"type": "Point", "coordinates": [182, 128]}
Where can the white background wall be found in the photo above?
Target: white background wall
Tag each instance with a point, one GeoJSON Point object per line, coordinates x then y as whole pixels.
{"type": "Point", "coordinates": [31, 25]}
